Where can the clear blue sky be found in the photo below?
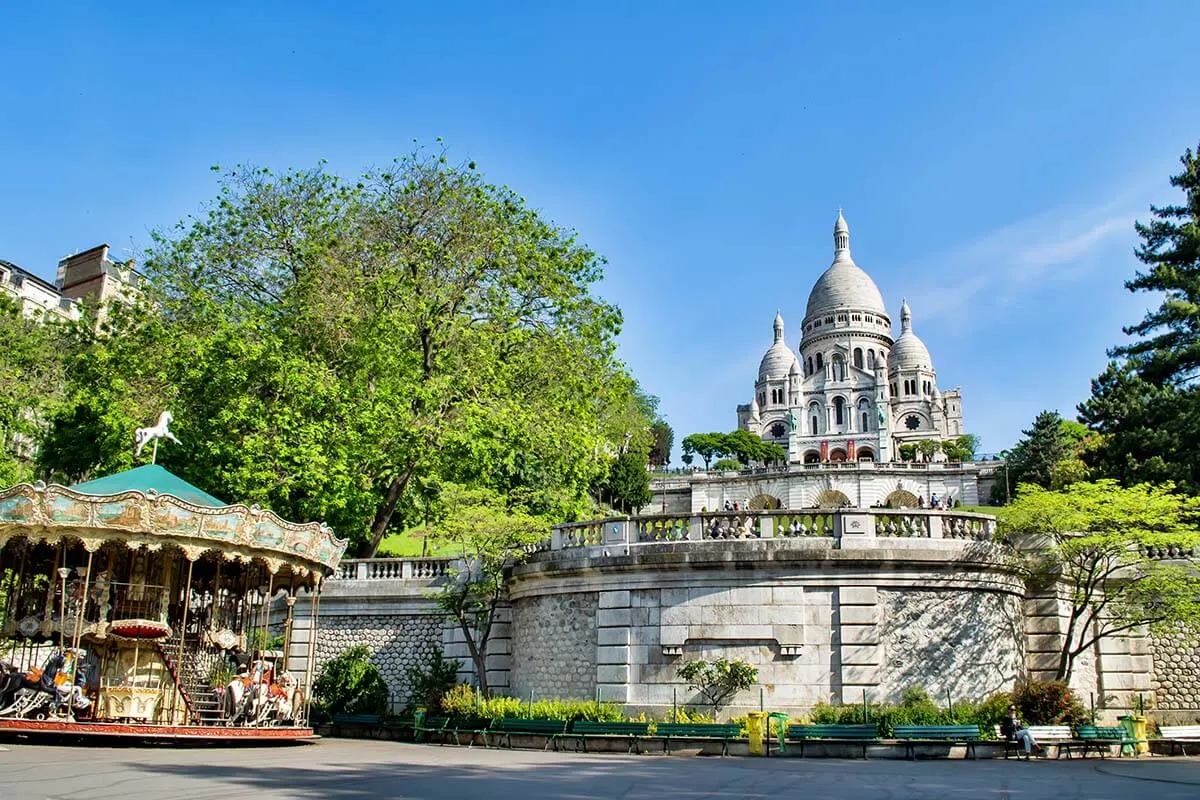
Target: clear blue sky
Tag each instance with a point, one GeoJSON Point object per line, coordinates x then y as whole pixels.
{"type": "Point", "coordinates": [991, 158]}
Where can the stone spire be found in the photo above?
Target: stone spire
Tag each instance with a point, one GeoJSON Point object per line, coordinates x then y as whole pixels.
{"type": "Point", "coordinates": [905, 317]}
{"type": "Point", "coordinates": [778, 327]}
{"type": "Point", "coordinates": [841, 239]}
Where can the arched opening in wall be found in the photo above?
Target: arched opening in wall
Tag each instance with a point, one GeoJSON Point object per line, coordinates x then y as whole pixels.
{"type": "Point", "coordinates": [810, 366]}
{"type": "Point", "coordinates": [871, 359]}
{"type": "Point", "coordinates": [832, 498]}
{"type": "Point", "coordinates": [763, 502]}
{"type": "Point", "coordinates": [900, 498]}
{"type": "Point", "coordinates": [837, 455]}
{"type": "Point", "coordinates": [839, 367]}
{"type": "Point", "coordinates": [858, 357]}
{"type": "Point", "coordinates": [865, 454]}
{"type": "Point", "coordinates": [812, 457]}
{"type": "Point", "coordinates": [839, 411]}
{"type": "Point", "coordinates": [820, 363]}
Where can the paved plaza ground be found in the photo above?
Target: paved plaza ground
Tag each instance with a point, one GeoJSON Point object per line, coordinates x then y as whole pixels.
{"type": "Point", "coordinates": [368, 770]}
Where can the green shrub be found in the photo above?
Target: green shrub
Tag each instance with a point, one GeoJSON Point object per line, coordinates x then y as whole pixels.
{"type": "Point", "coordinates": [685, 716]}
{"type": "Point", "coordinates": [916, 707]}
{"type": "Point", "coordinates": [429, 684]}
{"type": "Point", "coordinates": [351, 684]}
{"type": "Point", "coordinates": [463, 701]}
{"type": "Point", "coordinates": [1049, 703]}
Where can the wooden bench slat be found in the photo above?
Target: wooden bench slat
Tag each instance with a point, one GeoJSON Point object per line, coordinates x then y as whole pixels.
{"type": "Point", "coordinates": [698, 730]}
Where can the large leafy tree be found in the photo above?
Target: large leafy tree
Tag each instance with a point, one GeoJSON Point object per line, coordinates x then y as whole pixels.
{"type": "Point", "coordinates": [664, 439]}
{"type": "Point", "coordinates": [1125, 557]}
{"type": "Point", "coordinates": [333, 348]}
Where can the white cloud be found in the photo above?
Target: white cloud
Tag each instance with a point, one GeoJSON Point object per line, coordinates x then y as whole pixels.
{"type": "Point", "coordinates": [996, 268]}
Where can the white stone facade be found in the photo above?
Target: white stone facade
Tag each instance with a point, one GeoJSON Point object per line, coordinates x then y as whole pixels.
{"type": "Point", "coordinates": [854, 392]}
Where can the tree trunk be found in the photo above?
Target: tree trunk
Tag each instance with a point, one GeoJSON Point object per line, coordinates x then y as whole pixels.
{"type": "Point", "coordinates": [383, 514]}
{"type": "Point", "coordinates": [478, 657]}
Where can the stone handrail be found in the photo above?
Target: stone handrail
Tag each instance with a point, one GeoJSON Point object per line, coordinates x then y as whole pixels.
{"type": "Point", "coordinates": [676, 482]}
{"type": "Point", "coordinates": [860, 524]}
{"type": "Point", "coordinates": [392, 569]}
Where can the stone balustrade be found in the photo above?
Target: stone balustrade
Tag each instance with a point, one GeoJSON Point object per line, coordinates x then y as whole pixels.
{"type": "Point", "coordinates": [859, 524]}
{"type": "Point", "coordinates": [392, 569]}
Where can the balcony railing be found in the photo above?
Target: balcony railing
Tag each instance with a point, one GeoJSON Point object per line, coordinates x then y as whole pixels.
{"type": "Point", "coordinates": [392, 569]}
{"type": "Point", "coordinates": [841, 524]}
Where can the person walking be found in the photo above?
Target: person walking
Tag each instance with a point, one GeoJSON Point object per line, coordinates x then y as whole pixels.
{"type": "Point", "coordinates": [1014, 731]}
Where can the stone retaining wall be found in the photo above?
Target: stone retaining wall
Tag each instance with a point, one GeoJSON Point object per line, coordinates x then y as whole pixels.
{"type": "Point", "coordinates": [396, 641]}
{"type": "Point", "coordinates": [1176, 679]}
{"type": "Point", "coordinates": [554, 646]}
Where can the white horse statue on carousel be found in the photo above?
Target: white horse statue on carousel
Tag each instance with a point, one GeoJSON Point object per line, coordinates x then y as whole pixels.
{"type": "Point", "coordinates": [257, 698]}
{"type": "Point", "coordinates": [160, 430]}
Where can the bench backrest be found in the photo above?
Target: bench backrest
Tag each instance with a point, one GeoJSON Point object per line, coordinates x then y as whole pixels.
{"type": "Point", "coordinates": [1097, 732]}
{"type": "Point", "coordinates": [1179, 731]}
{"type": "Point", "coordinates": [514, 725]}
{"type": "Point", "coordinates": [611, 728]}
{"type": "Point", "coordinates": [832, 732]}
{"type": "Point", "coordinates": [364, 719]}
{"type": "Point", "coordinates": [725, 730]}
{"type": "Point", "coordinates": [1045, 731]}
{"type": "Point", "coordinates": [937, 731]}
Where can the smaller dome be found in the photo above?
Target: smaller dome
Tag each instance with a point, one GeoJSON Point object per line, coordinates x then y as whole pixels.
{"type": "Point", "coordinates": [909, 352]}
{"type": "Point", "coordinates": [777, 363]}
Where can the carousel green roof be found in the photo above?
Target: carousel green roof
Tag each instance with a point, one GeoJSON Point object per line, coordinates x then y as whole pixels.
{"type": "Point", "coordinates": [145, 479]}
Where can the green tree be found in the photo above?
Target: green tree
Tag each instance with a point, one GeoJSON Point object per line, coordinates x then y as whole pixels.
{"type": "Point", "coordinates": [331, 347]}
{"type": "Point", "coordinates": [664, 439]}
{"type": "Point", "coordinates": [350, 684]}
{"type": "Point", "coordinates": [718, 680]}
{"type": "Point", "coordinates": [628, 484]}
{"type": "Point", "coordinates": [727, 465]}
{"type": "Point", "coordinates": [31, 385]}
{"type": "Point", "coordinates": [487, 538]}
{"type": "Point", "coordinates": [706, 445]}
{"type": "Point", "coordinates": [962, 448]}
{"type": "Point", "coordinates": [1168, 346]}
{"type": "Point", "coordinates": [928, 448]}
{"type": "Point", "coordinates": [1146, 433]}
{"type": "Point", "coordinates": [1106, 545]}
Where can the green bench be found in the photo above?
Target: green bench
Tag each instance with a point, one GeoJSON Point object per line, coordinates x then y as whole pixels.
{"type": "Point", "coordinates": [913, 735]}
{"type": "Point", "coordinates": [632, 732]}
{"type": "Point", "coordinates": [1097, 738]}
{"type": "Point", "coordinates": [552, 729]}
{"type": "Point", "coordinates": [710, 731]}
{"type": "Point", "coordinates": [371, 722]}
{"type": "Point", "coordinates": [834, 734]}
{"type": "Point", "coordinates": [445, 727]}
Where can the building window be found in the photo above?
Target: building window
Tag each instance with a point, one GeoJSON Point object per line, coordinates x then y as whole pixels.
{"type": "Point", "coordinates": [858, 361]}
{"type": "Point", "coordinates": [810, 369]}
{"type": "Point", "coordinates": [912, 422]}
{"type": "Point", "coordinates": [819, 364]}
{"type": "Point", "coordinates": [864, 422]}
{"type": "Point", "coordinates": [839, 367]}
{"type": "Point", "coordinates": [839, 410]}
{"type": "Point", "coordinates": [778, 430]}
{"type": "Point", "coordinates": [871, 359]}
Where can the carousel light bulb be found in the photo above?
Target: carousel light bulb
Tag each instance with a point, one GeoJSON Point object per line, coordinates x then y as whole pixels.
{"type": "Point", "coordinates": [64, 572]}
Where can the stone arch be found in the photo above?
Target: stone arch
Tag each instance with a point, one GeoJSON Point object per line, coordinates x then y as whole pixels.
{"type": "Point", "coordinates": [865, 454]}
{"type": "Point", "coordinates": [812, 457]}
{"type": "Point", "coordinates": [901, 498]}
{"type": "Point", "coordinates": [832, 498]}
{"type": "Point", "coordinates": [837, 455]}
{"type": "Point", "coordinates": [763, 502]}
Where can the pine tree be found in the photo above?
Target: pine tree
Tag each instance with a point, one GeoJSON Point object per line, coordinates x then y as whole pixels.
{"type": "Point", "coordinates": [1168, 350]}
{"type": "Point", "coordinates": [1035, 456]}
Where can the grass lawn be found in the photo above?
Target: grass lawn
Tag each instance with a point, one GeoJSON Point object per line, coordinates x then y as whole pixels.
{"type": "Point", "coordinates": [407, 544]}
{"type": "Point", "coordinates": [995, 511]}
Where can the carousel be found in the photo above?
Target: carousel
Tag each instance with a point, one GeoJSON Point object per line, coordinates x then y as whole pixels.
{"type": "Point", "coordinates": [137, 605]}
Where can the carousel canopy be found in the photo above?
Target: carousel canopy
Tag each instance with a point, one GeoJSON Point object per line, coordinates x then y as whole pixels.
{"type": "Point", "coordinates": [149, 507]}
{"type": "Point", "coordinates": [147, 479]}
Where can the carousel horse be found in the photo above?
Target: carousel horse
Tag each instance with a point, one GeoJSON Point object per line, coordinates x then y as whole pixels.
{"type": "Point", "coordinates": [248, 694]}
{"type": "Point", "coordinates": [160, 430]}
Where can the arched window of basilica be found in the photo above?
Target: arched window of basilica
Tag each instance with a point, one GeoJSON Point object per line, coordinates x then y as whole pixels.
{"type": "Point", "coordinates": [820, 365]}
{"type": "Point", "coordinates": [814, 411]}
{"type": "Point", "coordinates": [810, 369]}
{"type": "Point", "coordinates": [871, 359]}
{"type": "Point", "coordinates": [858, 358]}
{"type": "Point", "coordinates": [864, 408]}
{"type": "Point", "coordinates": [839, 411]}
{"type": "Point", "coordinates": [839, 367]}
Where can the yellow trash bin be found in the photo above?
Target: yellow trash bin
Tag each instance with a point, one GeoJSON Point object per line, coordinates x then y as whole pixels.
{"type": "Point", "coordinates": [1135, 727]}
{"type": "Point", "coordinates": [754, 726]}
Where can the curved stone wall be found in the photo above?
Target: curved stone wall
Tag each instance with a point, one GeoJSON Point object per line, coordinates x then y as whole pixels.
{"type": "Point", "coordinates": [396, 641]}
{"type": "Point", "coordinates": [823, 620]}
{"type": "Point", "coordinates": [554, 646]}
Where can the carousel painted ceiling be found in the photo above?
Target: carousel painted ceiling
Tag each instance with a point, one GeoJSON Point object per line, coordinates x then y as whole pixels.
{"type": "Point", "coordinates": [150, 507]}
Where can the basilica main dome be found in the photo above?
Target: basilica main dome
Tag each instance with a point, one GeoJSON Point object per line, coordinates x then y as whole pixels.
{"type": "Point", "coordinates": [844, 286]}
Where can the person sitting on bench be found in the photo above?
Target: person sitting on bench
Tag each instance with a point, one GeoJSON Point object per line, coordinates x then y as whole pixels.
{"type": "Point", "coordinates": [1014, 731]}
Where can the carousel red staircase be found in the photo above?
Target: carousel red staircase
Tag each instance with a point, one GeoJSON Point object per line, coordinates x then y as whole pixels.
{"type": "Point", "coordinates": [204, 707]}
